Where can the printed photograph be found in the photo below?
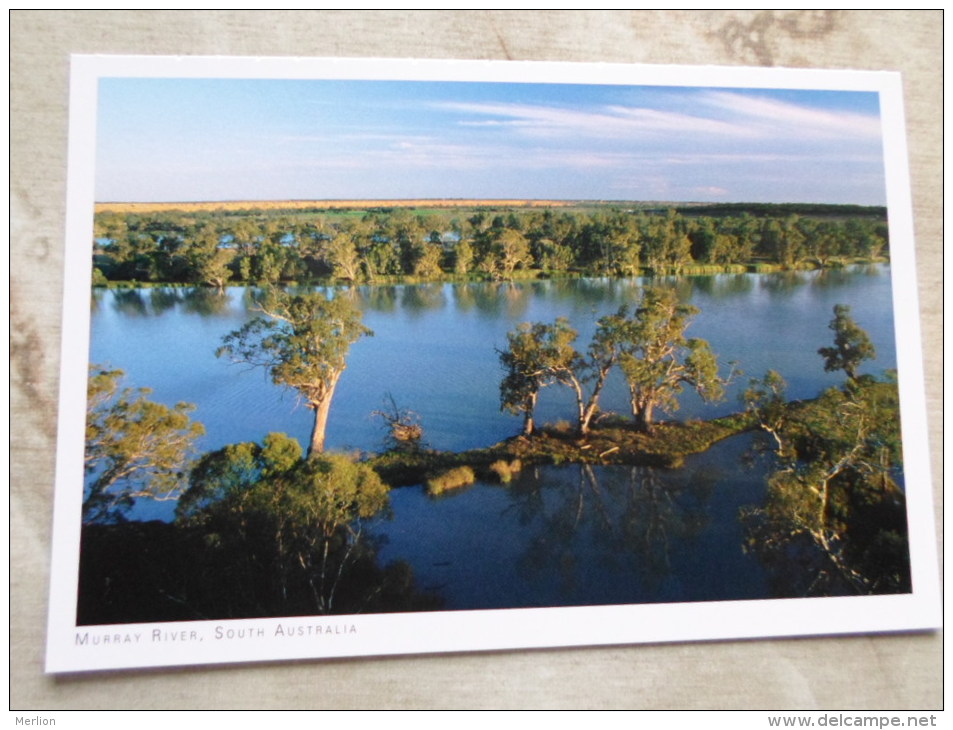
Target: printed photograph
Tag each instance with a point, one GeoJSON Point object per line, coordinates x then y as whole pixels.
{"type": "Point", "coordinates": [363, 347]}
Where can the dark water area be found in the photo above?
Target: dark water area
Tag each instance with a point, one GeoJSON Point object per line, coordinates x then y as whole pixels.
{"type": "Point", "coordinates": [585, 535]}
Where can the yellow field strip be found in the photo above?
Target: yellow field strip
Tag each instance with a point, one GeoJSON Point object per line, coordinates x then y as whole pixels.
{"type": "Point", "coordinates": [322, 204]}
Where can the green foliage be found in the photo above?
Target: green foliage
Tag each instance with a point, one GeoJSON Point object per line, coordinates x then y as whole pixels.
{"type": "Point", "coordinates": [135, 448]}
{"type": "Point", "coordinates": [301, 520]}
{"type": "Point", "coordinates": [99, 279]}
{"type": "Point", "coordinates": [658, 360]}
{"type": "Point", "coordinates": [220, 475]}
{"type": "Point", "coordinates": [851, 344]}
{"type": "Point", "coordinates": [463, 258]}
{"type": "Point", "coordinates": [334, 492]}
{"type": "Point", "coordinates": [537, 355]}
{"type": "Point", "coordinates": [344, 258]}
{"type": "Point", "coordinates": [834, 502]}
{"type": "Point", "coordinates": [542, 354]}
{"type": "Point", "coordinates": [302, 341]}
{"type": "Point", "coordinates": [249, 555]}
{"type": "Point", "coordinates": [764, 399]}
{"type": "Point", "coordinates": [325, 493]}
{"type": "Point", "coordinates": [601, 356]}
{"type": "Point", "coordinates": [834, 499]}
{"type": "Point", "coordinates": [283, 245]}
{"type": "Point", "coordinates": [649, 346]}
{"type": "Point", "coordinates": [510, 251]}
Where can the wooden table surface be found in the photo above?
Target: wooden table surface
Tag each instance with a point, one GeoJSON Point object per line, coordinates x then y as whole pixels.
{"type": "Point", "coordinates": [894, 672]}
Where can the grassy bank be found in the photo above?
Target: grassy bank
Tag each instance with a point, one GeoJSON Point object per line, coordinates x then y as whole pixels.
{"type": "Point", "coordinates": [666, 445]}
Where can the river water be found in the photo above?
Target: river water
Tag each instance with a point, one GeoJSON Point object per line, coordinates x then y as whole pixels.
{"type": "Point", "coordinates": [556, 535]}
{"type": "Point", "coordinates": [435, 349]}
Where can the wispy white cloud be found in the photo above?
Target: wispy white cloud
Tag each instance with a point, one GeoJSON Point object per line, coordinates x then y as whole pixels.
{"type": "Point", "coordinates": [650, 143]}
{"type": "Point", "coordinates": [656, 120]}
{"type": "Point", "coordinates": [723, 115]}
{"type": "Point", "coordinates": [432, 153]}
{"type": "Point", "coordinates": [611, 121]}
{"type": "Point", "coordinates": [808, 121]}
{"type": "Point", "coordinates": [742, 157]}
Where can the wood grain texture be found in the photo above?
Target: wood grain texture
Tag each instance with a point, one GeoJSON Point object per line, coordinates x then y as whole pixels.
{"type": "Point", "coordinates": [881, 672]}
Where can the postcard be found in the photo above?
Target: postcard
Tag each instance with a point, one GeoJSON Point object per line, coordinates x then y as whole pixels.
{"type": "Point", "coordinates": [366, 357]}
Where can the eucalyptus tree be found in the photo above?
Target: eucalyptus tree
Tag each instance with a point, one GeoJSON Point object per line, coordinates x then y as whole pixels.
{"type": "Point", "coordinates": [289, 529]}
{"type": "Point", "coordinates": [588, 379]}
{"type": "Point", "coordinates": [510, 251]}
{"type": "Point", "coordinates": [136, 448]}
{"type": "Point", "coordinates": [537, 355]}
{"type": "Point", "coordinates": [784, 240]}
{"type": "Point", "coordinates": [208, 261]}
{"type": "Point", "coordinates": [302, 340]}
{"type": "Point", "coordinates": [834, 499]}
{"type": "Point", "coordinates": [851, 347]}
{"type": "Point", "coordinates": [658, 360]}
{"type": "Point", "coordinates": [666, 246]}
{"type": "Point", "coordinates": [462, 257]}
{"type": "Point", "coordinates": [428, 261]}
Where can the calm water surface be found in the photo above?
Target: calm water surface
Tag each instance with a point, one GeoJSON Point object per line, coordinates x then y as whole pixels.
{"type": "Point", "coordinates": [556, 535]}
{"type": "Point", "coordinates": [435, 349]}
{"type": "Point", "coordinates": [578, 535]}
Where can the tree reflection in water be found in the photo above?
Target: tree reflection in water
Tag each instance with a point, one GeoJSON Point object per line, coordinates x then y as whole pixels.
{"type": "Point", "coordinates": [621, 521]}
{"type": "Point", "coordinates": [205, 301]}
{"type": "Point", "coordinates": [420, 298]}
{"type": "Point", "coordinates": [130, 302]}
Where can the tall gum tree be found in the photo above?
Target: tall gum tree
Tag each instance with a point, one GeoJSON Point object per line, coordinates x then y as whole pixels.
{"type": "Point", "coordinates": [585, 374]}
{"type": "Point", "coordinates": [658, 360]}
{"type": "Point", "coordinates": [302, 340]}
{"type": "Point", "coordinates": [536, 356]}
{"type": "Point", "coordinates": [851, 347]}
{"type": "Point", "coordinates": [601, 356]}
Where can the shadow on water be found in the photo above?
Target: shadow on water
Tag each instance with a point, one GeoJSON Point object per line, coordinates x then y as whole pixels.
{"type": "Point", "coordinates": [205, 301]}
{"type": "Point", "coordinates": [417, 299]}
{"type": "Point", "coordinates": [723, 286]}
{"type": "Point", "coordinates": [381, 298]}
{"type": "Point", "coordinates": [585, 535]}
{"type": "Point", "coordinates": [130, 302]}
{"type": "Point", "coordinates": [143, 572]}
{"type": "Point", "coordinates": [163, 299]}
{"type": "Point", "coordinates": [629, 519]}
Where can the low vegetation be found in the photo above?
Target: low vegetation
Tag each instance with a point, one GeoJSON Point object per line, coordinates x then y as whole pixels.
{"type": "Point", "coordinates": [460, 476]}
{"type": "Point", "coordinates": [613, 441]}
{"type": "Point", "coordinates": [505, 470]}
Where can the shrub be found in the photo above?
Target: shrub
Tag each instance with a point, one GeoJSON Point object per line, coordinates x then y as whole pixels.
{"type": "Point", "coordinates": [461, 476]}
{"type": "Point", "coordinates": [504, 470]}
{"type": "Point", "coordinates": [99, 278]}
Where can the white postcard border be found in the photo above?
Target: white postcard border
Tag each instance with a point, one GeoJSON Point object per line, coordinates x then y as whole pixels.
{"type": "Point", "coordinates": [71, 648]}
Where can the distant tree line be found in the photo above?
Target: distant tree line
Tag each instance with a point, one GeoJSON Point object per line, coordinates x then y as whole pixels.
{"type": "Point", "coordinates": [213, 248]}
{"type": "Point", "coordinates": [776, 210]}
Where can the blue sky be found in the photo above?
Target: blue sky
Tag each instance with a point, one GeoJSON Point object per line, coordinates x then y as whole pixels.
{"type": "Point", "coordinates": [266, 139]}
